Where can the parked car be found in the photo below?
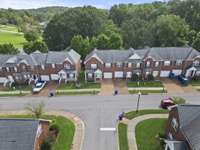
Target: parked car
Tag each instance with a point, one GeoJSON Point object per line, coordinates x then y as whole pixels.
{"type": "Point", "coordinates": [166, 103]}
{"type": "Point", "coordinates": [39, 86]}
{"type": "Point", "coordinates": [183, 80]}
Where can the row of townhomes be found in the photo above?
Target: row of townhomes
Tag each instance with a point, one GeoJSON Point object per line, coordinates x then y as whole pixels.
{"type": "Point", "coordinates": [21, 68]}
{"type": "Point", "coordinates": [99, 64]}
{"type": "Point", "coordinates": [157, 61]}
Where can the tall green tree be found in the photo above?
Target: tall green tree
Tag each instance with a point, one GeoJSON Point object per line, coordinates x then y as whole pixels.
{"type": "Point", "coordinates": [31, 35]}
{"type": "Point", "coordinates": [81, 45]}
{"type": "Point", "coordinates": [32, 46]}
{"type": "Point", "coordinates": [196, 42]}
{"type": "Point", "coordinates": [170, 30]}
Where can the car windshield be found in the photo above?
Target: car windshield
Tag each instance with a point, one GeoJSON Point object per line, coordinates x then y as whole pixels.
{"type": "Point", "coordinates": [38, 85]}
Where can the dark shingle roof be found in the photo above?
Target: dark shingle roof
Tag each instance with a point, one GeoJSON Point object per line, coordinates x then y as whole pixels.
{"type": "Point", "coordinates": [18, 134]}
{"type": "Point", "coordinates": [157, 53]}
{"type": "Point", "coordinates": [189, 118]}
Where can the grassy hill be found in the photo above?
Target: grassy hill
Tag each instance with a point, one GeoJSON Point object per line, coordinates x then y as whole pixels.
{"type": "Point", "coordinates": [10, 34]}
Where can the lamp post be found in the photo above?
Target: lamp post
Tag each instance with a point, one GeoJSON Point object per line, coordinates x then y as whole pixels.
{"type": "Point", "coordinates": [138, 102]}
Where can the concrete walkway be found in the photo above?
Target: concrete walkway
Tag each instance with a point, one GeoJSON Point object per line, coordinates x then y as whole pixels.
{"type": "Point", "coordinates": [132, 126]}
{"type": "Point", "coordinates": [78, 139]}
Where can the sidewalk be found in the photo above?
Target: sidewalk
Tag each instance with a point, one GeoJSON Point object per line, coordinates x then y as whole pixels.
{"type": "Point", "coordinates": [79, 125]}
{"type": "Point", "coordinates": [132, 126]}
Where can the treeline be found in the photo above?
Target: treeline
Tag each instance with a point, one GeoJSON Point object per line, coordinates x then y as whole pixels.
{"type": "Point", "coordinates": [175, 23]}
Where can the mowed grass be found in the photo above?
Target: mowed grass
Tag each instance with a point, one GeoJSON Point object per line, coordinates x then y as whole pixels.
{"type": "Point", "coordinates": [147, 134]}
{"type": "Point", "coordinates": [10, 34]}
{"type": "Point", "coordinates": [123, 141]}
{"type": "Point", "coordinates": [66, 127]}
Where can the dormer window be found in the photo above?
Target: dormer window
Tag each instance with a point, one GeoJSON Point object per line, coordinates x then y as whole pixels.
{"type": "Point", "coordinates": [148, 63]}
{"type": "Point", "coordinates": [93, 66]}
{"type": "Point", "coordinates": [138, 65]}
{"type": "Point", "coordinates": [119, 64]}
{"type": "Point", "coordinates": [53, 65]}
{"type": "Point", "coordinates": [67, 66]}
{"type": "Point", "coordinates": [23, 67]}
{"type": "Point", "coordinates": [156, 63]}
{"type": "Point", "coordinates": [129, 65]}
{"type": "Point", "coordinates": [178, 62]}
{"type": "Point", "coordinates": [196, 63]}
{"type": "Point", "coordinates": [108, 65]}
{"type": "Point", "coordinates": [167, 63]}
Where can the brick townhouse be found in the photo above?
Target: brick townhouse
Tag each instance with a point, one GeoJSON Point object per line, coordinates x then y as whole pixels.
{"type": "Point", "coordinates": [157, 61]}
{"type": "Point", "coordinates": [23, 134]}
{"type": "Point", "coordinates": [182, 130]}
{"type": "Point", "coordinates": [21, 68]}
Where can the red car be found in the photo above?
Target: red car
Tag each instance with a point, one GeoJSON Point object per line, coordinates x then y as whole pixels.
{"type": "Point", "coordinates": [165, 103]}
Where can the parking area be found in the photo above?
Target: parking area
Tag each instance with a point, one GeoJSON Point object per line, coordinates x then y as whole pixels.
{"type": "Point", "coordinates": [121, 86]}
{"type": "Point", "coordinates": [174, 87]}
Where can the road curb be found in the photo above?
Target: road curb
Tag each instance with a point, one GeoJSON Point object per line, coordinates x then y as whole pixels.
{"type": "Point", "coordinates": [79, 134]}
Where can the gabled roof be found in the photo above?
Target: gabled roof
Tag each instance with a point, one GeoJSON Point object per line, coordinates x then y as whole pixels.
{"type": "Point", "coordinates": [189, 119]}
{"type": "Point", "coordinates": [39, 58]}
{"type": "Point", "coordinates": [18, 134]}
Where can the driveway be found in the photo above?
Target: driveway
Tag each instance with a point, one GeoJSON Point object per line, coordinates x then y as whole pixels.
{"type": "Point", "coordinates": [107, 87]}
{"type": "Point", "coordinates": [174, 86]}
{"type": "Point", "coordinates": [121, 86]}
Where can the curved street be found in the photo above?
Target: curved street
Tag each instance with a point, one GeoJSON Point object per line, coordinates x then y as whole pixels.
{"type": "Point", "coordinates": [96, 112]}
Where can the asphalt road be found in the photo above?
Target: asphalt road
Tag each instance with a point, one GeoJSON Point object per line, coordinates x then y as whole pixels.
{"type": "Point", "coordinates": [96, 112]}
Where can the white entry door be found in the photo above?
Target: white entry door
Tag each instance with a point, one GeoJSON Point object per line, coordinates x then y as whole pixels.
{"type": "Point", "coordinates": [107, 75]}
{"type": "Point", "coordinates": [164, 73]}
{"type": "Point", "coordinates": [119, 74]}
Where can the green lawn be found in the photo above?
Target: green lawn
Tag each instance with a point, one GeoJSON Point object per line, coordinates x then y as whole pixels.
{"type": "Point", "coordinates": [132, 114]}
{"type": "Point", "coordinates": [123, 142]}
{"type": "Point", "coordinates": [66, 134]}
{"type": "Point", "coordinates": [83, 85]}
{"type": "Point", "coordinates": [146, 91]}
{"type": "Point", "coordinates": [147, 134]}
{"type": "Point", "coordinates": [145, 84]}
{"type": "Point", "coordinates": [10, 34]}
{"type": "Point", "coordinates": [195, 83]}
{"type": "Point", "coordinates": [77, 93]}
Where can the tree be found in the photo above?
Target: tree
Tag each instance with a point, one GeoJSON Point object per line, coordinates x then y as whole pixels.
{"type": "Point", "coordinates": [31, 35]}
{"type": "Point", "coordinates": [8, 49]}
{"type": "Point", "coordinates": [36, 109]}
{"type": "Point", "coordinates": [115, 41]}
{"type": "Point", "coordinates": [81, 45]}
{"type": "Point", "coordinates": [32, 46]}
{"type": "Point", "coordinates": [196, 42]}
{"type": "Point", "coordinates": [86, 21]}
{"type": "Point", "coordinates": [103, 41]}
{"type": "Point", "coordinates": [170, 30]}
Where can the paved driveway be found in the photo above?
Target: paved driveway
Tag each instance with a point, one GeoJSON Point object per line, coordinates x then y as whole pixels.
{"type": "Point", "coordinates": [107, 87]}
{"type": "Point", "coordinates": [173, 86]}
{"type": "Point", "coordinates": [121, 86]}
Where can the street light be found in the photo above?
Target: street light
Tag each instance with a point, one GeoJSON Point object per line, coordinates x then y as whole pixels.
{"type": "Point", "coordinates": [138, 102]}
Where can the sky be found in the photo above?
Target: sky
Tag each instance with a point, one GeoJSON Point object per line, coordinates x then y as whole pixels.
{"type": "Point", "coordinates": [26, 4]}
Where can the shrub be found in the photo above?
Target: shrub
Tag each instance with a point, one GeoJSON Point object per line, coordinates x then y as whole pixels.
{"type": "Point", "coordinates": [55, 128]}
{"type": "Point", "coordinates": [135, 77]}
{"type": "Point", "coordinates": [46, 145]}
{"type": "Point", "coordinates": [36, 109]}
{"type": "Point", "coordinates": [150, 77]}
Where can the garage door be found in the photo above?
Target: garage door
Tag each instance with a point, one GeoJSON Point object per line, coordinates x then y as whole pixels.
{"type": "Point", "coordinates": [164, 73]}
{"type": "Point", "coordinates": [177, 72]}
{"type": "Point", "coordinates": [119, 74]}
{"type": "Point", "coordinates": [107, 75]}
{"type": "Point", "coordinates": [45, 78]}
{"type": "Point", "coordinates": [54, 77]}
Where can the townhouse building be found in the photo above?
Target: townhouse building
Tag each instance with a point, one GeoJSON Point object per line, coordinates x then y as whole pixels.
{"type": "Point", "coordinates": [157, 61]}
{"type": "Point", "coordinates": [182, 129]}
{"type": "Point", "coordinates": [23, 68]}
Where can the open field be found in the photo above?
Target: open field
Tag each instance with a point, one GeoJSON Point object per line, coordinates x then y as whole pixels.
{"type": "Point", "coordinates": [10, 34]}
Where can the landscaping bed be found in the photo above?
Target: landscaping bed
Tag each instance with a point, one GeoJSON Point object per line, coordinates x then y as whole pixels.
{"type": "Point", "coordinates": [147, 134]}
{"type": "Point", "coordinates": [66, 130]}
{"type": "Point", "coordinates": [83, 85]}
{"type": "Point", "coordinates": [144, 92]}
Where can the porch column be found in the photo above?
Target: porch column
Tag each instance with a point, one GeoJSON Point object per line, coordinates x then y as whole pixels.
{"type": "Point", "coordinates": [85, 77]}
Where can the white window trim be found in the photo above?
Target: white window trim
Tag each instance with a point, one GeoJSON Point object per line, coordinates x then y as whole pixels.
{"type": "Point", "coordinates": [53, 65]}
{"type": "Point", "coordinates": [167, 63]}
{"type": "Point", "coordinates": [157, 63]}
{"type": "Point", "coordinates": [129, 65]}
{"type": "Point", "coordinates": [108, 65]}
{"type": "Point", "coordinates": [148, 63]}
{"type": "Point", "coordinates": [138, 65]}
